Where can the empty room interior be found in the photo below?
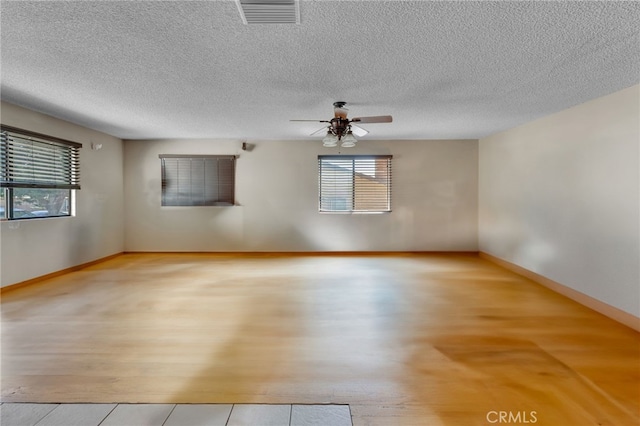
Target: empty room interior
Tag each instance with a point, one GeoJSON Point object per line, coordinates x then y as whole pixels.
{"type": "Point", "coordinates": [292, 212]}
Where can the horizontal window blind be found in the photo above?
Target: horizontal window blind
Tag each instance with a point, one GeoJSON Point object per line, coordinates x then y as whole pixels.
{"type": "Point", "coordinates": [198, 180]}
{"type": "Point", "coordinates": [354, 183]}
{"type": "Point", "coordinates": [33, 160]}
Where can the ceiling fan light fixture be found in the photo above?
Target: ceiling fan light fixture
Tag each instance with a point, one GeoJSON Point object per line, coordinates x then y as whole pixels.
{"type": "Point", "coordinates": [330, 140]}
{"type": "Point", "coordinates": [348, 140]}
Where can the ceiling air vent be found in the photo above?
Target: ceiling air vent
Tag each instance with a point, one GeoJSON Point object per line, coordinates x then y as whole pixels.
{"type": "Point", "coordinates": [269, 11]}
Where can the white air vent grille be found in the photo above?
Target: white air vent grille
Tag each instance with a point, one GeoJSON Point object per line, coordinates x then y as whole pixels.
{"type": "Point", "coordinates": [269, 11]}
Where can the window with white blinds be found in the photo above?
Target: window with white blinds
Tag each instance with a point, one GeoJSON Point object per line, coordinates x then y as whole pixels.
{"type": "Point", "coordinates": [198, 180]}
{"type": "Point", "coordinates": [38, 174]}
{"type": "Point", "coordinates": [33, 160]}
{"type": "Point", "coordinates": [354, 183]}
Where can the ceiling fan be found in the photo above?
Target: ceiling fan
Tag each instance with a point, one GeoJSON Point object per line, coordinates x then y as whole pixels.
{"type": "Point", "coordinates": [341, 129]}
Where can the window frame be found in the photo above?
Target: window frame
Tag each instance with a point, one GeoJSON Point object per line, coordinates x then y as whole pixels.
{"type": "Point", "coordinates": [386, 180]}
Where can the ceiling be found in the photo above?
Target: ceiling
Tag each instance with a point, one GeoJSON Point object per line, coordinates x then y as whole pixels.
{"type": "Point", "coordinates": [192, 69]}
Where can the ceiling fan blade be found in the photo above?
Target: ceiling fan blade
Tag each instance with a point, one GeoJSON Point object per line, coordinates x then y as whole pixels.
{"type": "Point", "coordinates": [358, 131]}
{"type": "Point", "coordinates": [374, 119]}
{"type": "Point", "coordinates": [323, 129]}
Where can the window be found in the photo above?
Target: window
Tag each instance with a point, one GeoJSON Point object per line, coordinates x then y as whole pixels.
{"type": "Point", "coordinates": [38, 174]}
{"type": "Point", "coordinates": [355, 183]}
{"type": "Point", "coordinates": [198, 180]}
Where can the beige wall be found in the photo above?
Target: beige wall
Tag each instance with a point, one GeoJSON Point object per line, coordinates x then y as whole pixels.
{"type": "Point", "coordinates": [434, 200]}
{"type": "Point", "coordinates": [36, 247]}
{"type": "Point", "coordinates": [560, 197]}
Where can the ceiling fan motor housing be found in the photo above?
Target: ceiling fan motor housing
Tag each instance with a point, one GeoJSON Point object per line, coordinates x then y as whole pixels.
{"type": "Point", "coordinates": [339, 126]}
{"type": "Point", "coordinates": [339, 110]}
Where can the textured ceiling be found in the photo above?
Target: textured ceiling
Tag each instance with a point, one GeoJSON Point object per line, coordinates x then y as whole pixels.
{"type": "Point", "coordinates": [156, 69]}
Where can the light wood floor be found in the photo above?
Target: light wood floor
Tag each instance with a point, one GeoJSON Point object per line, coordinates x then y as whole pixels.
{"type": "Point", "coordinates": [404, 339]}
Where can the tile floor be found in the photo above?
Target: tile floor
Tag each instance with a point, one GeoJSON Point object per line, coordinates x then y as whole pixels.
{"type": "Point", "coordinates": [24, 414]}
